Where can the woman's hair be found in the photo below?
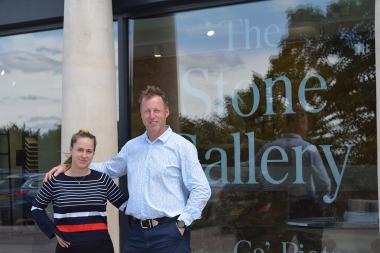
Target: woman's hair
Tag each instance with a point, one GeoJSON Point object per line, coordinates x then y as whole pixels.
{"type": "Point", "coordinates": [82, 133]}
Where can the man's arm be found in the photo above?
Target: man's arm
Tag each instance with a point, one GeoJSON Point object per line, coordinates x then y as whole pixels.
{"type": "Point", "coordinates": [115, 167]}
{"type": "Point", "coordinates": [321, 179]}
{"type": "Point", "coordinates": [196, 182]}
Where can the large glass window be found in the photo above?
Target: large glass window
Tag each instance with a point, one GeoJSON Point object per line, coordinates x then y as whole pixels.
{"type": "Point", "coordinates": [30, 132]}
{"type": "Point", "coordinates": [279, 98]}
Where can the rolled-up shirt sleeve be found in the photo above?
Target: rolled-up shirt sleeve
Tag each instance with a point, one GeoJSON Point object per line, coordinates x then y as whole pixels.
{"type": "Point", "coordinates": [115, 167]}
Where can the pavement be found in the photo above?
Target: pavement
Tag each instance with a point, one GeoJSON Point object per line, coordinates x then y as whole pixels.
{"type": "Point", "coordinates": [24, 239]}
{"type": "Point", "coordinates": [211, 239]}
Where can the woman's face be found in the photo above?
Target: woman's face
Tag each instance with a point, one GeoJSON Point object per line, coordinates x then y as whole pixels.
{"type": "Point", "coordinates": [82, 153]}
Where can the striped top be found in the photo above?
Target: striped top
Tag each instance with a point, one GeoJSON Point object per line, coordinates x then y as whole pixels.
{"type": "Point", "coordinates": [79, 205]}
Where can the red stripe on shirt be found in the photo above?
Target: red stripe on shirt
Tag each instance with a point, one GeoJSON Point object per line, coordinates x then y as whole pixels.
{"type": "Point", "coordinates": [82, 227]}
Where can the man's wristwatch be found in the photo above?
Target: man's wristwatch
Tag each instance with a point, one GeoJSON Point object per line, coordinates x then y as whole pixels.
{"type": "Point", "coordinates": [181, 224]}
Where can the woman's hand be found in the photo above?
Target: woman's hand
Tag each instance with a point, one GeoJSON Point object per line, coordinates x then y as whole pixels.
{"type": "Point", "coordinates": [63, 243]}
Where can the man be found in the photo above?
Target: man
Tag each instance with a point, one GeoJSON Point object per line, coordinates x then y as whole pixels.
{"type": "Point", "coordinates": [291, 201]}
{"type": "Point", "coordinates": [167, 186]}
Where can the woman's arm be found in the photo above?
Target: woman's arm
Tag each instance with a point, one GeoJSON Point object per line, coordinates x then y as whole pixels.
{"type": "Point", "coordinates": [114, 194]}
{"type": "Point", "coordinates": [43, 221]}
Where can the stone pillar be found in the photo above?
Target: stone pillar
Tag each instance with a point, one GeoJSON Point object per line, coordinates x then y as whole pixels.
{"type": "Point", "coordinates": [89, 81]}
{"type": "Point", "coordinates": [377, 53]}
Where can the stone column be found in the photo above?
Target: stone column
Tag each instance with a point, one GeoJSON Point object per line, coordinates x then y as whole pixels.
{"type": "Point", "coordinates": [377, 53]}
{"type": "Point", "coordinates": [89, 81]}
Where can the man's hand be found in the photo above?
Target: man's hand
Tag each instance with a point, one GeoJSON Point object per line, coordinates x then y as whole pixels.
{"type": "Point", "coordinates": [181, 230]}
{"type": "Point", "coordinates": [55, 171]}
{"type": "Point", "coordinates": [63, 243]}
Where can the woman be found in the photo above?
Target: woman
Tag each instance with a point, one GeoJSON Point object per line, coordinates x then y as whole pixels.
{"type": "Point", "coordinates": [79, 198]}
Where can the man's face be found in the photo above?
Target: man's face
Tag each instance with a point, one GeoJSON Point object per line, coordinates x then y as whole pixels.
{"type": "Point", "coordinates": [153, 114]}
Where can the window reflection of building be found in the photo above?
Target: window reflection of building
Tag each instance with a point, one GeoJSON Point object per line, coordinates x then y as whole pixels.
{"type": "Point", "coordinates": [30, 108]}
{"type": "Point", "coordinates": [31, 154]}
{"type": "Point", "coordinates": [286, 48]}
{"type": "Point", "coordinates": [291, 203]}
{"type": "Point", "coordinates": [155, 63]}
{"type": "Point", "coordinates": [247, 41]}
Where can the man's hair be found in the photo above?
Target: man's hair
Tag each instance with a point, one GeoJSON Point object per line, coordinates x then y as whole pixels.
{"type": "Point", "coordinates": [151, 91]}
{"type": "Point", "coordinates": [297, 117]}
{"type": "Point", "coordinates": [295, 122]}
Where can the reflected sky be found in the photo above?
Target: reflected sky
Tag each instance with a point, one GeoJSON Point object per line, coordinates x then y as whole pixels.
{"type": "Point", "coordinates": [245, 38]}
{"type": "Point", "coordinates": [31, 79]}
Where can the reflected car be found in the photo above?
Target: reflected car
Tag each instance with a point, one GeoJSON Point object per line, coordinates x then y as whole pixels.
{"type": "Point", "coordinates": [17, 192]}
{"type": "Point", "coordinates": [31, 187]}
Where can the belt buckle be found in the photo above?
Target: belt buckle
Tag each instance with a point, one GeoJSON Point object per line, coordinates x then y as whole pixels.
{"type": "Point", "coordinates": [151, 223]}
{"type": "Point", "coordinates": [142, 223]}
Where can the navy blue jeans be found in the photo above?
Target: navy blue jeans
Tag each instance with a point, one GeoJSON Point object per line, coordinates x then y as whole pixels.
{"type": "Point", "coordinates": [164, 238]}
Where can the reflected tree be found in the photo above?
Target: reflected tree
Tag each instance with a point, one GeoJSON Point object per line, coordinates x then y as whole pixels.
{"type": "Point", "coordinates": [339, 45]}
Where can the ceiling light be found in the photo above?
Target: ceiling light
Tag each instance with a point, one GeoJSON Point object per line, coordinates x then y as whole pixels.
{"type": "Point", "coordinates": [157, 51]}
{"type": "Point", "coordinates": [2, 72]}
{"type": "Point", "coordinates": [210, 33]}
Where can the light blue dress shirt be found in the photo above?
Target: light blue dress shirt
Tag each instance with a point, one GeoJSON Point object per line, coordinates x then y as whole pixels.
{"type": "Point", "coordinates": [165, 178]}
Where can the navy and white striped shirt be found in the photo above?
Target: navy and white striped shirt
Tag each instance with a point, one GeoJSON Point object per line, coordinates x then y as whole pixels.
{"type": "Point", "coordinates": [79, 205]}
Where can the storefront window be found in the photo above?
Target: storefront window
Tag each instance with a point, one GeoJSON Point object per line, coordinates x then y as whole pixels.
{"type": "Point", "coordinates": [280, 100]}
{"type": "Point", "coordinates": [30, 132]}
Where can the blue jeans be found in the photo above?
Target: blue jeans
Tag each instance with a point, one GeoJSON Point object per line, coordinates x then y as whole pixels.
{"type": "Point", "coordinates": [164, 238]}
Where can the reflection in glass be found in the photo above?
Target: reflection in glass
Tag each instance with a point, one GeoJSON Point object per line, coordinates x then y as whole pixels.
{"type": "Point", "coordinates": [30, 131]}
{"type": "Point", "coordinates": [30, 105]}
{"type": "Point", "coordinates": [231, 95]}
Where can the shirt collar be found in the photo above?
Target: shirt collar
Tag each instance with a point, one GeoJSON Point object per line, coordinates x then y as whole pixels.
{"type": "Point", "coordinates": [163, 137]}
